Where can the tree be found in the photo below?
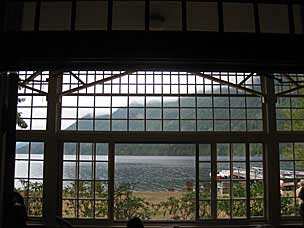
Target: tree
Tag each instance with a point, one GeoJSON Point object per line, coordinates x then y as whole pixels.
{"type": "Point", "coordinates": [19, 121]}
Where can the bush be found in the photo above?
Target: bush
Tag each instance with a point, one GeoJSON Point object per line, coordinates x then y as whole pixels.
{"type": "Point", "coordinates": [126, 205]}
{"type": "Point", "coordinates": [32, 192]}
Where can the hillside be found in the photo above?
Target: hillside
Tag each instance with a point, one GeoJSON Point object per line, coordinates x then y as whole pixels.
{"type": "Point", "coordinates": [165, 150]}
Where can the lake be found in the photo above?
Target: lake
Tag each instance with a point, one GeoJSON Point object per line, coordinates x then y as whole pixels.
{"type": "Point", "coordinates": [146, 173]}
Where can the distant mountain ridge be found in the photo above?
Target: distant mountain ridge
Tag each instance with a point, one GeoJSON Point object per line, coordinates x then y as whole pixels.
{"type": "Point", "coordinates": [177, 150]}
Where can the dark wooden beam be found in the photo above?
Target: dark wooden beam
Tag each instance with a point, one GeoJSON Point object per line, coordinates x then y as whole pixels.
{"type": "Point", "coordinates": [290, 90]}
{"type": "Point", "coordinates": [120, 50]}
{"type": "Point", "coordinates": [222, 82]}
{"type": "Point", "coordinates": [291, 79]}
{"type": "Point", "coordinates": [33, 89]}
{"type": "Point", "coordinates": [101, 81]}
{"type": "Point", "coordinates": [246, 78]}
{"type": "Point", "coordinates": [30, 78]}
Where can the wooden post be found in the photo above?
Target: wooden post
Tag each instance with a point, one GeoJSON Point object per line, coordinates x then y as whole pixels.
{"type": "Point", "coordinates": [52, 156]}
{"type": "Point", "coordinates": [9, 85]}
{"type": "Point", "coordinates": [272, 163]}
{"type": "Point", "coordinates": [302, 15]}
{"type": "Point", "coordinates": [2, 157]}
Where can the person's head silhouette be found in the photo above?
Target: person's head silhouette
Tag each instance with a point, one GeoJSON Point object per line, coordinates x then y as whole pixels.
{"type": "Point", "coordinates": [135, 222]}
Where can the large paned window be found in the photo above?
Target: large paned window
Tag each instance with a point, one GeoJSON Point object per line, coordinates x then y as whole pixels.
{"type": "Point", "coordinates": [29, 175]}
{"type": "Point", "coordinates": [181, 182]}
{"type": "Point", "coordinates": [155, 181]}
{"type": "Point", "coordinates": [238, 171]}
{"type": "Point", "coordinates": [205, 181]}
{"type": "Point", "coordinates": [291, 173]}
{"type": "Point", "coordinates": [85, 180]}
{"type": "Point", "coordinates": [160, 101]}
{"type": "Point", "coordinates": [32, 102]}
{"type": "Point", "coordinates": [290, 103]}
{"type": "Point", "coordinates": [164, 146]}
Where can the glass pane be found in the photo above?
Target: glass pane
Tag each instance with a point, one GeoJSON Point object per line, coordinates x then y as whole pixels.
{"type": "Point", "coordinates": [102, 151]}
{"type": "Point", "coordinates": [85, 171]}
{"type": "Point", "coordinates": [220, 113]}
{"type": "Point", "coordinates": [299, 150]}
{"type": "Point", "coordinates": [119, 125]}
{"type": "Point", "coordinates": [257, 208]}
{"type": "Point", "coordinates": [154, 125]}
{"type": "Point", "coordinates": [221, 125]}
{"type": "Point", "coordinates": [85, 189]}
{"type": "Point", "coordinates": [254, 125]}
{"type": "Point", "coordinates": [172, 113]}
{"type": "Point", "coordinates": [223, 152]}
{"type": "Point", "coordinates": [223, 189]}
{"type": "Point", "coordinates": [223, 170]}
{"type": "Point", "coordinates": [102, 125]}
{"type": "Point", "coordinates": [101, 190]}
{"type": "Point", "coordinates": [238, 189]}
{"type": "Point", "coordinates": [204, 102]}
{"type": "Point", "coordinates": [204, 152]}
{"type": "Point", "coordinates": [287, 169]}
{"type": "Point", "coordinates": [257, 189]}
{"type": "Point", "coordinates": [121, 113]}
{"type": "Point", "coordinates": [188, 125]}
{"type": "Point", "coordinates": [205, 191]}
{"type": "Point", "coordinates": [69, 151]}
{"type": "Point", "coordinates": [22, 150]}
{"type": "Point", "coordinates": [161, 176]}
{"type": "Point", "coordinates": [21, 169]}
{"type": "Point", "coordinates": [101, 171]}
{"type": "Point", "coordinates": [205, 125]}
{"type": "Point", "coordinates": [256, 151]}
{"type": "Point", "coordinates": [36, 169]}
{"type": "Point", "coordinates": [238, 152]}
{"type": "Point", "coordinates": [204, 113]}
{"type": "Point", "coordinates": [171, 125]}
{"type": "Point", "coordinates": [86, 151]}
{"type": "Point", "coordinates": [85, 125]}
{"type": "Point", "coordinates": [256, 170]}
{"type": "Point", "coordinates": [69, 208]}
{"type": "Point", "coordinates": [188, 113]}
{"type": "Point", "coordinates": [85, 209]}
{"type": "Point", "coordinates": [136, 125]}
{"type": "Point", "coordinates": [69, 170]}
{"type": "Point", "coordinates": [153, 113]}
{"type": "Point", "coordinates": [205, 210]}
{"type": "Point", "coordinates": [239, 170]}
{"type": "Point", "coordinates": [69, 189]}
{"type": "Point", "coordinates": [101, 209]}
{"type": "Point", "coordinates": [35, 188]}
{"type": "Point", "coordinates": [223, 209]}
{"type": "Point", "coordinates": [35, 207]}
{"type": "Point", "coordinates": [205, 171]}
{"type": "Point", "coordinates": [238, 114]}
{"type": "Point", "coordinates": [288, 206]}
{"type": "Point", "coordinates": [239, 209]}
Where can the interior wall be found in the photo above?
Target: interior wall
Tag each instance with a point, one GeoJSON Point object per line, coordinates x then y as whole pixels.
{"type": "Point", "coordinates": [164, 16]}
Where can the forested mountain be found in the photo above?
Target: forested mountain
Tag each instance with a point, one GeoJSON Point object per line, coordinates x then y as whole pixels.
{"type": "Point", "coordinates": [205, 113]}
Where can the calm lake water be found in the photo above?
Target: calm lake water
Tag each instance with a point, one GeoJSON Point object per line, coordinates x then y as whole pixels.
{"type": "Point", "coordinates": [146, 173]}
